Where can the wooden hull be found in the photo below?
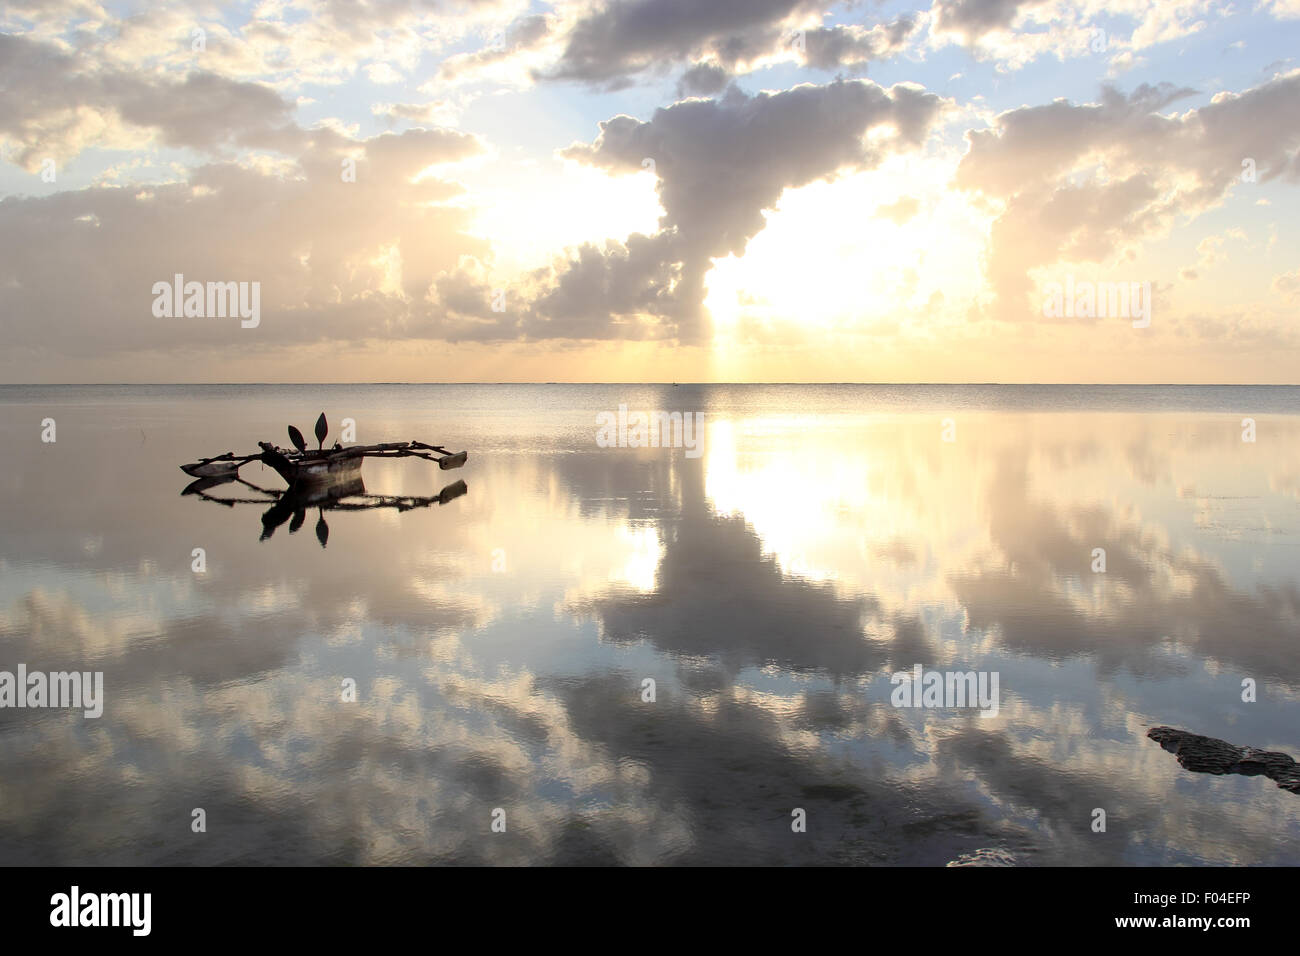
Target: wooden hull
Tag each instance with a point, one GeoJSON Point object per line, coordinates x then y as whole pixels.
{"type": "Point", "coordinates": [313, 473]}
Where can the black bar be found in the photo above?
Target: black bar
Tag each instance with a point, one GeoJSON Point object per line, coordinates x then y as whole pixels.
{"type": "Point", "coordinates": [974, 905]}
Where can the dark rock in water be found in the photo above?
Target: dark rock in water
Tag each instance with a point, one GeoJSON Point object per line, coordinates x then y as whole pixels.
{"type": "Point", "coordinates": [1211, 755]}
{"type": "Point", "coordinates": [985, 856]}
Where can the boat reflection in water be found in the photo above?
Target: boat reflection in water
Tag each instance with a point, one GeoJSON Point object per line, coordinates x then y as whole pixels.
{"type": "Point", "coordinates": [292, 504]}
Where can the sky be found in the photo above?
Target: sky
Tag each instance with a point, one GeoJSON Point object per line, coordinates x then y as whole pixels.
{"type": "Point", "coordinates": [650, 190]}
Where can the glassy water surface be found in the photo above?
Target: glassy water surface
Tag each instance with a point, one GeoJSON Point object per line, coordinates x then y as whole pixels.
{"type": "Point", "coordinates": [826, 538]}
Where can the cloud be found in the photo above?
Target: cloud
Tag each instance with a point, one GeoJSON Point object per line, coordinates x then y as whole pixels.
{"type": "Point", "coordinates": [1287, 285]}
{"type": "Point", "coordinates": [853, 46]}
{"type": "Point", "coordinates": [972, 19]}
{"type": "Point", "coordinates": [54, 104]}
{"type": "Point", "coordinates": [1283, 9]}
{"type": "Point", "coordinates": [1209, 253]}
{"type": "Point", "coordinates": [285, 44]}
{"type": "Point", "coordinates": [336, 260]}
{"type": "Point", "coordinates": [48, 12]}
{"type": "Point", "coordinates": [1086, 182]}
{"type": "Point", "coordinates": [522, 36]}
{"type": "Point", "coordinates": [703, 79]}
{"type": "Point", "coordinates": [327, 41]}
{"type": "Point", "coordinates": [720, 164]}
{"type": "Point", "coordinates": [1014, 33]}
{"type": "Point", "coordinates": [382, 74]}
{"type": "Point", "coordinates": [621, 40]}
{"type": "Point", "coordinates": [435, 112]}
{"type": "Point", "coordinates": [611, 46]}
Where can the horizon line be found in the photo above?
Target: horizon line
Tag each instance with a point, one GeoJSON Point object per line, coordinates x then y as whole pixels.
{"type": "Point", "coordinates": [680, 384]}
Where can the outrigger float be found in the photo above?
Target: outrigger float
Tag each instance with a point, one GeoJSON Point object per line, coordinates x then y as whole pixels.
{"type": "Point", "coordinates": [303, 469]}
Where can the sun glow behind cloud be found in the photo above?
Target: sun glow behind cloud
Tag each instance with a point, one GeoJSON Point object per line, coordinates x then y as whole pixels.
{"type": "Point", "coordinates": [865, 254]}
{"type": "Point", "coordinates": [532, 210]}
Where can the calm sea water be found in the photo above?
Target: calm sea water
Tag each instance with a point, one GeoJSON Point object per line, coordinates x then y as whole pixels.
{"type": "Point", "coordinates": [826, 538]}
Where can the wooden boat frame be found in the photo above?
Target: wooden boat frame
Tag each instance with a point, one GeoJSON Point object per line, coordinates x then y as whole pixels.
{"type": "Point", "coordinates": [302, 468]}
